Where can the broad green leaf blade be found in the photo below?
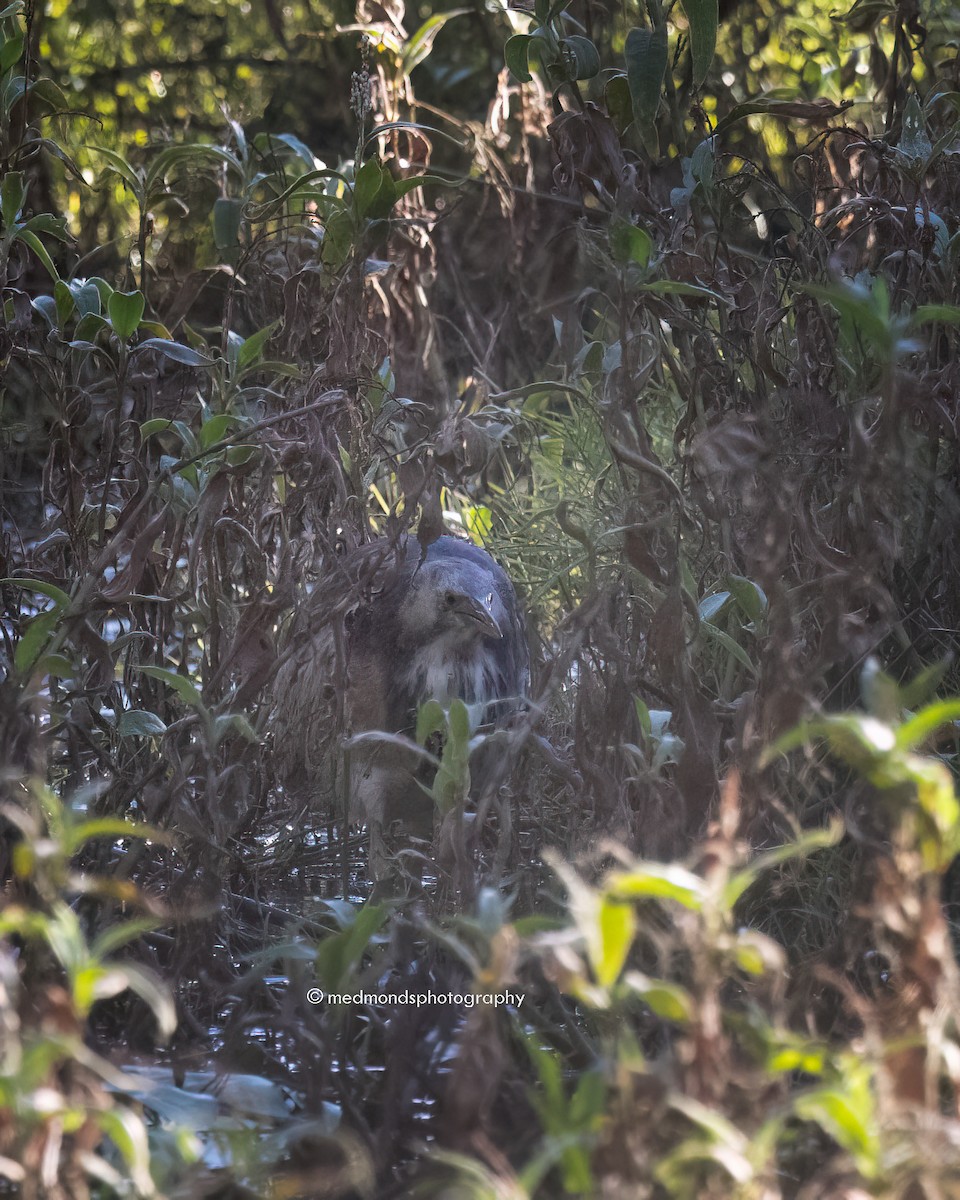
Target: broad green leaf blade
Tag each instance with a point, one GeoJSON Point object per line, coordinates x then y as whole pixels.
{"type": "Point", "coordinates": [12, 194]}
{"type": "Point", "coordinates": [617, 924]}
{"type": "Point", "coordinates": [704, 17]}
{"type": "Point", "coordinates": [126, 310]}
{"type": "Point", "coordinates": [31, 239]}
{"type": "Point", "coordinates": [421, 43]}
{"type": "Point", "coordinates": [185, 688]}
{"type": "Point", "coordinates": [227, 221]}
{"type": "Point", "coordinates": [646, 59]}
{"type": "Point", "coordinates": [583, 55]}
{"type": "Point", "coordinates": [516, 56]}
{"type": "Point", "coordinates": [667, 1000]}
{"type": "Point", "coordinates": [42, 588]}
{"type": "Point", "coordinates": [629, 243]}
{"type": "Point", "coordinates": [665, 881]}
{"type": "Point", "coordinates": [713, 634]}
{"type": "Point", "coordinates": [369, 182]}
{"type": "Point", "coordinates": [34, 639]}
{"type": "Point", "coordinates": [808, 843]}
{"type": "Point", "coordinates": [816, 111]}
{"type": "Point", "coordinates": [252, 349]}
{"type": "Point", "coordinates": [176, 352]}
{"type": "Point", "coordinates": [140, 723]}
{"type": "Point", "coordinates": [431, 719]}
{"type": "Point", "coordinates": [935, 716]}
{"type": "Point", "coordinates": [10, 52]}
{"type": "Point", "coordinates": [121, 167]}
{"type": "Point", "coordinates": [949, 314]}
{"type": "Point", "coordinates": [749, 595]}
{"type": "Point", "coordinates": [674, 287]}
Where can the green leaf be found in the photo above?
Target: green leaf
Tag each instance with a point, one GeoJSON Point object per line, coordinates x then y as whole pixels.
{"type": "Point", "coordinates": [185, 688]}
{"type": "Point", "coordinates": [402, 186]}
{"type": "Point", "coordinates": [749, 595]}
{"type": "Point", "coordinates": [617, 924]}
{"type": "Point", "coordinates": [10, 52]}
{"type": "Point", "coordinates": [86, 296]}
{"type": "Point", "coordinates": [122, 933]}
{"type": "Point", "coordinates": [252, 349]}
{"type": "Point", "coordinates": [673, 287]}
{"type": "Point", "coordinates": [155, 994]}
{"type": "Point", "coordinates": [915, 732]}
{"type": "Point", "coordinates": [176, 352]}
{"type": "Point", "coordinates": [431, 719]}
{"type": "Point", "coordinates": [710, 607]}
{"type": "Point", "coordinates": [155, 425]}
{"type": "Point", "coordinates": [367, 186]}
{"type": "Point", "coordinates": [128, 1133]}
{"type": "Point", "coordinates": [643, 716]}
{"type": "Point", "coordinates": [339, 954]}
{"type": "Point", "coordinates": [34, 639]}
{"type": "Point", "coordinates": [664, 881]}
{"type": "Point", "coordinates": [121, 167]}
{"type": "Point", "coordinates": [914, 141]}
{"type": "Point", "coordinates": [241, 726]}
{"type": "Point", "coordinates": [237, 723]}
{"type": "Point", "coordinates": [859, 740]}
{"type": "Point", "coordinates": [629, 243]}
{"type": "Point", "coordinates": [704, 17]}
{"type": "Point", "coordinates": [49, 94]}
{"type": "Point", "coordinates": [227, 221]}
{"type": "Point", "coordinates": [421, 43]}
{"type": "Point", "coordinates": [846, 1112]}
{"type": "Point", "coordinates": [646, 59]}
{"type": "Point", "coordinates": [516, 56]}
{"type": "Point", "coordinates": [125, 310]}
{"type": "Point", "coordinates": [948, 314]}
{"type": "Point", "coordinates": [584, 56]}
{"type": "Point", "coordinates": [12, 195]}
{"type": "Point", "coordinates": [64, 302]}
{"type": "Point", "coordinates": [104, 288]}
{"type": "Point", "coordinates": [156, 329]}
{"type": "Point", "coordinates": [44, 305]}
{"type": "Point", "coordinates": [113, 828]}
{"type": "Point", "coordinates": [666, 1000]}
{"type": "Point", "coordinates": [89, 327]}
{"type": "Point", "coordinates": [617, 98]}
{"type": "Point", "coordinates": [214, 429]}
{"type": "Point", "coordinates": [922, 687]}
{"type": "Point", "coordinates": [459, 723]}
{"type": "Point", "coordinates": [42, 588]}
{"type": "Point", "coordinates": [140, 723]}
{"type": "Point", "coordinates": [713, 634]}
{"type": "Point", "coordinates": [49, 224]}
{"type": "Point", "coordinates": [338, 233]}
{"type": "Point", "coordinates": [808, 843]}
{"type": "Point", "coordinates": [56, 665]}
{"type": "Point", "coordinates": [780, 105]}
{"type": "Point", "coordinates": [31, 239]}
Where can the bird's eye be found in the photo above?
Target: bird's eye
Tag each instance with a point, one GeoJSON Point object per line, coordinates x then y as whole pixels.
{"type": "Point", "coordinates": [450, 599]}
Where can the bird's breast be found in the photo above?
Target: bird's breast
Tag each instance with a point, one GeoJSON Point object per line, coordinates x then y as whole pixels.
{"type": "Point", "coordinates": [438, 672]}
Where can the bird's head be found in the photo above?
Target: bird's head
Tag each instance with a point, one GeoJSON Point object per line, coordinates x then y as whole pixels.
{"type": "Point", "coordinates": [452, 598]}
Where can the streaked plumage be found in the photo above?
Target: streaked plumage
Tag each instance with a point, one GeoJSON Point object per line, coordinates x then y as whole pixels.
{"type": "Point", "coordinates": [406, 628]}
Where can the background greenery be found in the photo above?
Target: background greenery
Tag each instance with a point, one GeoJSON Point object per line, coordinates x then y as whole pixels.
{"type": "Point", "coordinates": [660, 303]}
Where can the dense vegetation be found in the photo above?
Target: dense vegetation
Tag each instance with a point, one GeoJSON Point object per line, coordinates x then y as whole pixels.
{"type": "Point", "coordinates": [660, 303]}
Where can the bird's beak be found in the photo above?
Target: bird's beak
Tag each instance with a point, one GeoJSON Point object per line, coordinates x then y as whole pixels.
{"type": "Point", "coordinates": [481, 611]}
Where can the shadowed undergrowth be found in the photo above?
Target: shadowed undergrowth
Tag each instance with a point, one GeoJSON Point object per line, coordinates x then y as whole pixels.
{"type": "Point", "coordinates": [684, 357]}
